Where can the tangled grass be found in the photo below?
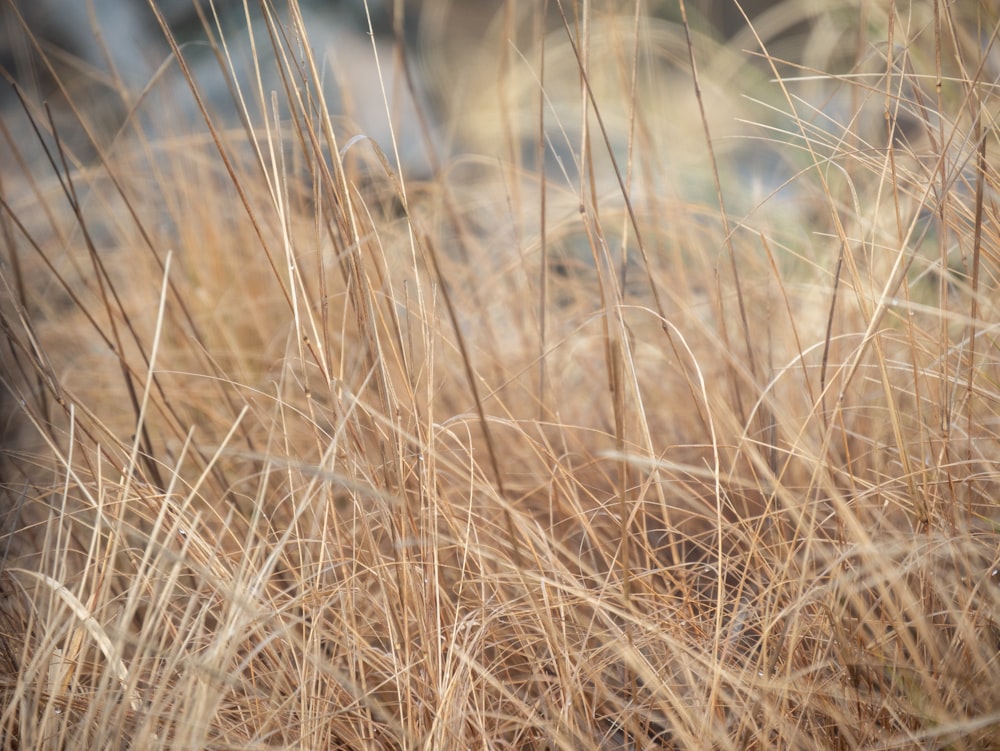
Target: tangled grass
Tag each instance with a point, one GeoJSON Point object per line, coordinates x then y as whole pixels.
{"type": "Point", "coordinates": [662, 413]}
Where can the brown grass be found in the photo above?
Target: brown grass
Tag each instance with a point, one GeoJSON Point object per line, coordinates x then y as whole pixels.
{"type": "Point", "coordinates": [688, 440]}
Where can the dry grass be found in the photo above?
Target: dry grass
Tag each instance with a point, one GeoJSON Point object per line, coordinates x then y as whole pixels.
{"type": "Point", "coordinates": [689, 440]}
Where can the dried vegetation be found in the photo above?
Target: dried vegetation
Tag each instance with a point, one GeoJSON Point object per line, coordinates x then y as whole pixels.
{"type": "Point", "coordinates": [661, 413]}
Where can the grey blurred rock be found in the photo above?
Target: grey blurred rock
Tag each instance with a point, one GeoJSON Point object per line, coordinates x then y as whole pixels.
{"type": "Point", "coordinates": [91, 45]}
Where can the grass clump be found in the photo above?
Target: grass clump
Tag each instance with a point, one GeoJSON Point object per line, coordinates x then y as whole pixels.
{"type": "Point", "coordinates": [661, 412]}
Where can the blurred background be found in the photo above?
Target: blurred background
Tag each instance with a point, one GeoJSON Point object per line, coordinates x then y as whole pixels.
{"type": "Point", "coordinates": [107, 53]}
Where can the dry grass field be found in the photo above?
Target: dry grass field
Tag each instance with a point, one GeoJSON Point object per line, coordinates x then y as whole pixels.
{"type": "Point", "coordinates": [660, 409]}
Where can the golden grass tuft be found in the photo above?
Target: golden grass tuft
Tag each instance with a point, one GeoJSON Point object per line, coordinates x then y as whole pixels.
{"type": "Point", "coordinates": [661, 414]}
